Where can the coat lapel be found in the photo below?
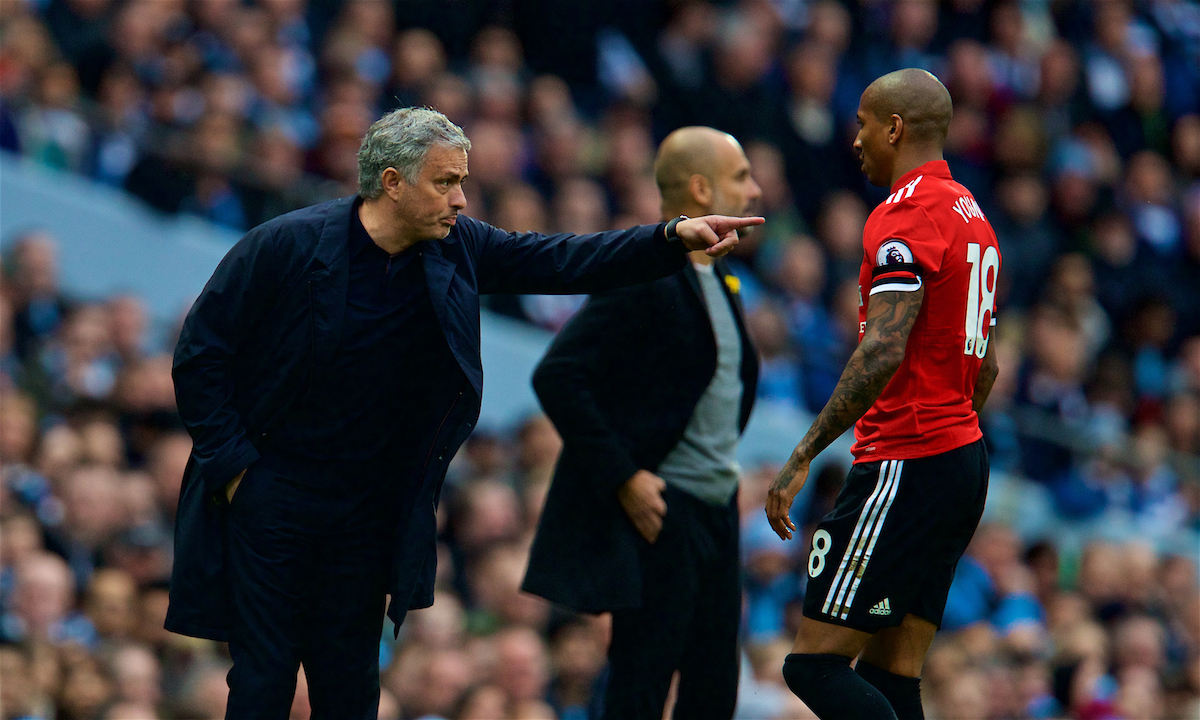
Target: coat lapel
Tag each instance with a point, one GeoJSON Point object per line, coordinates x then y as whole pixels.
{"type": "Point", "coordinates": [693, 282]}
{"type": "Point", "coordinates": [735, 298]}
{"type": "Point", "coordinates": [438, 272]}
{"type": "Point", "coordinates": [329, 282]}
{"type": "Point", "coordinates": [452, 317]}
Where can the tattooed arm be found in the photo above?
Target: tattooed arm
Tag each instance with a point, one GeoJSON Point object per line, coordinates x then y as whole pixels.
{"type": "Point", "coordinates": [987, 377]}
{"type": "Point", "coordinates": [890, 318]}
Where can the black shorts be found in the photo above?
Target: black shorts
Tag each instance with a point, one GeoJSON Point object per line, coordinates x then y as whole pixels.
{"type": "Point", "coordinates": [890, 546]}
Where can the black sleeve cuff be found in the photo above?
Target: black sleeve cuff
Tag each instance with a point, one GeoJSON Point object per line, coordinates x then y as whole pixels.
{"type": "Point", "coordinates": [913, 268]}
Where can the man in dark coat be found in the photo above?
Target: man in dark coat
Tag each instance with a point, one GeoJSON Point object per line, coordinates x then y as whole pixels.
{"type": "Point", "coordinates": [650, 387]}
{"type": "Point", "coordinates": [327, 374]}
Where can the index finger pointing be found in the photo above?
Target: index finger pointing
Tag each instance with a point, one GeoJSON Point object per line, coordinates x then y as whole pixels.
{"type": "Point", "coordinates": [729, 222]}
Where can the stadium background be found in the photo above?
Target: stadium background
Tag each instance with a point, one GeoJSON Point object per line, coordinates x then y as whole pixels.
{"type": "Point", "coordinates": [140, 137]}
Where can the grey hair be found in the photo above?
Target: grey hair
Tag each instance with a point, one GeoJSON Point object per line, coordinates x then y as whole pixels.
{"type": "Point", "coordinates": [401, 140]}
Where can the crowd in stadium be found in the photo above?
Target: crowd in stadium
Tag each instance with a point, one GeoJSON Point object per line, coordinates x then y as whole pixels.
{"type": "Point", "coordinates": [1076, 125]}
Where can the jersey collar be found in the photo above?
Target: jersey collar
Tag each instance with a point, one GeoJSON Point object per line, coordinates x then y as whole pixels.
{"type": "Point", "coordinates": [933, 168]}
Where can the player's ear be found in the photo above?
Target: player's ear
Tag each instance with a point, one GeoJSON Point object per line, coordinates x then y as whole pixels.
{"type": "Point", "coordinates": [896, 129]}
{"type": "Point", "coordinates": [392, 182]}
{"type": "Point", "coordinates": [700, 189]}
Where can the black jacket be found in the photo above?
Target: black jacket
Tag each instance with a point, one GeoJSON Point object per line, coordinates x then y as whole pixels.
{"type": "Point", "coordinates": [273, 311]}
{"type": "Point", "coordinates": [620, 382]}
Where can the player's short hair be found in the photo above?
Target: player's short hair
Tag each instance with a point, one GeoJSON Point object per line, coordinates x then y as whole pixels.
{"type": "Point", "coordinates": [400, 140]}
{"type": "Point", "coordinates": [919, 98]}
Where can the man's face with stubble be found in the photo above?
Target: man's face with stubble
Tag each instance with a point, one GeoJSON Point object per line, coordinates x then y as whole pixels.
{"type": "Point", "coordinates": [734, 190]}
{"type": "Point", "coordinates": [429, 208]}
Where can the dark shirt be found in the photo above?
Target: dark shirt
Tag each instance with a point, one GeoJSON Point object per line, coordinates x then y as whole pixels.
{"type": "Point", "coordinates": [358, 411]}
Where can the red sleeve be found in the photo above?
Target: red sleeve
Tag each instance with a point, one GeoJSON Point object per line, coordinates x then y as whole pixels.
{"type": "Point", "coordinates": [905, 248]}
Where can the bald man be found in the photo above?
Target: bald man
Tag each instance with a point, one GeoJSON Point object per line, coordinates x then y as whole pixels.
{"type": "Point", "coordinates": [881, 562]}
{"type": "Point", "coordinates": [650, 388]}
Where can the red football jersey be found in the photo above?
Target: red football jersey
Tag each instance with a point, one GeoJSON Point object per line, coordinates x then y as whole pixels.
{"type": "Point", "coordinates": [929, 233]}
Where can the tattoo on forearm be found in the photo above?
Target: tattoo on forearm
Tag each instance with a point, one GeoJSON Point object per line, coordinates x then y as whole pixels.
{"type": "Point", "coordinates": [889, 321]}
{"type": "Point", "coordinates": [983, 384]}
{"type": "Point", "coordinates": [786, 474]}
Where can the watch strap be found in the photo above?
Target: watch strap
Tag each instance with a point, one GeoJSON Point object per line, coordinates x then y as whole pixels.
{"type": "Point", "coordinates": [669, 231]}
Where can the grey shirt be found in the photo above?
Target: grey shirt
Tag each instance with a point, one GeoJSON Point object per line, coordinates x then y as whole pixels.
{"type": "Point", "coordinates": [703, 462]}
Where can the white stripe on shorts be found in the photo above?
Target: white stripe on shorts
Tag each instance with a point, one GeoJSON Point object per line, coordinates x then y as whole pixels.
{"type": "Point", "coordinates": [851, 547]}
{"type": "Point", "coordinates": [870, 530]}
{"type": "Point", "coordinates": [866, 556]}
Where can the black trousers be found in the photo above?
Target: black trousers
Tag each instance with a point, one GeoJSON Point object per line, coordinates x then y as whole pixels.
{"type": "Point", "coordinates": [309, 572]}
{"type": "Point", "coordinates": [688, 621]}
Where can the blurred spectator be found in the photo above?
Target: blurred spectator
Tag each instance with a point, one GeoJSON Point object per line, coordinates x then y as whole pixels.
{"type": "Point", "coordinates": [1124, 272]}
{"type": "Point", "coordinates": [839, 228]}
{"type": "Point", "coordinates": [1052, 383]}
{"type": "Point", "coordinates": [1141, 124]}
{"type": "Point", "coordinates": [1071, 290]}
{"type": "Point", "coordinates": [779, 379]}
{"type": "Point", "coordinates": [135, 674]}
{"type": "Point", "coordinates": [801, 276]}
{"type": "Point", "coordinates": [1026, 236]}
{"type": "Point", "coordinates": [815, 140]}
{"type": "Point", "coordinates": [758, 251]}
{"type": "Point", "coordinates": [771, 578]}
{"type": "Point", "coordinates": [1058, 95]}
{"type": "Point", "coordinates": [522, 665]}
{"type": "Point", "coordinates": [538, 446]}
{"type": "Point", "coordinates": [577, 655]}
{"type": "Point", "coordinates": [53, 129]}
{"type": "Point", "coordinates": [1183, 281]}
{"type": "Point", "coordinates": [111, 606]}
{"type": "Point", "coordinates": [32, 285]}
{"type": "Point", "coordinates": [166, 465]}
{"type": "Point", "coordinates": [42, 604]}
{"type": "Point", "coordinates": [1151, 200]}
{"type": "Point", "coordinates": [92, 516]}
{"type": "Point", "coordinates": [992, 586]}
{"type": "Point", "coordinates": [79, 362]}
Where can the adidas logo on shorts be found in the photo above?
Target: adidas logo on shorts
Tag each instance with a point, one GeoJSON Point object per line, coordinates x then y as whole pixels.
{"type": "Point", "coordinates": [883, 607]}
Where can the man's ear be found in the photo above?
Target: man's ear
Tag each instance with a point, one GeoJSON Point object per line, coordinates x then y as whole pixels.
{"type": "Point", "coordinates": [700, 189]}
{"type": "Point", "coordinates": [896, 130]}
{"type": "Point", "coordinates": [392, 182]}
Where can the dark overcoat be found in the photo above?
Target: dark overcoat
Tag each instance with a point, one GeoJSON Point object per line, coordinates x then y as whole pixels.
{"type": "Point", "coordinates": [620, 382]}
{"type": "Point", "coordinates": [273, 311]}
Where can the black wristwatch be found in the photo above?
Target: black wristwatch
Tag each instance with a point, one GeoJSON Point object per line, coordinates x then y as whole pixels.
{"type": "Point", "coordinates": [669, 231]}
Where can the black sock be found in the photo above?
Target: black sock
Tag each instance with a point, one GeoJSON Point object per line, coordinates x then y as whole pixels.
{"type": "Point", "coordinates": [832, 690]}
{"type": "Point", "coordinates": [904, 693]}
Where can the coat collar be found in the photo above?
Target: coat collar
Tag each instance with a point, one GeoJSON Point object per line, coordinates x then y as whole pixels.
{"type": "Point", "coordinates": [720, 268]}
{"type": "Point", "coordinates": [334, 231]}
{"type": "Point", "coordinates": [336, 228]}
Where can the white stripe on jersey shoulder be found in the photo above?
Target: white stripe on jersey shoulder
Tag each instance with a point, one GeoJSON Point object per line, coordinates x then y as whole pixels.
{"type": "Point", "coordinates": [903, 193]}
{"type": "Point", "coordinates": [896, 287]}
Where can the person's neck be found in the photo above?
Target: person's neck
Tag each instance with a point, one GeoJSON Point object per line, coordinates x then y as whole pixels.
{"type": "Point", "coordinates": [379, 222]}
{"type": "Point", "coordinates": [910, 159]}
{"type": "Point", "coordinates": [670, 213]}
